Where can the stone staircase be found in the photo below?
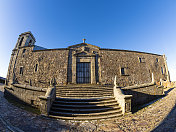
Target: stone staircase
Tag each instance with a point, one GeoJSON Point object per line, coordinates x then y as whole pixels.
{"type": "Point", "coordinates": [85, 103]}
{"type": "Point", "coordinates": [83, 91]}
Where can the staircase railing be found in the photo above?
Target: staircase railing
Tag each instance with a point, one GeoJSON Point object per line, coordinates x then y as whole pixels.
{"type": "Point", "coordinates": [47, 100]}
{"type": "Point", "coordinates": [123, 100]}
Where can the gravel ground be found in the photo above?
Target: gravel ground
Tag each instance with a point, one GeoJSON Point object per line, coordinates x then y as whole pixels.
{"type": "Point", "coordinates": [159, 117]}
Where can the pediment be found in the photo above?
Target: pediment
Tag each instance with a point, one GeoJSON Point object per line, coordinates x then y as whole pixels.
{"type": "Point", "coordinates": [84, 49]}
{"type": "Point", "coordinates": [83, 53]}
{"type": "Point", "coordinates": [83, 45]}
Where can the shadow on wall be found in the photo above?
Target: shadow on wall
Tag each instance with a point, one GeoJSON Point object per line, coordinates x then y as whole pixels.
{"type": "Point", "coordinates": [139, 99]}
{"type": "Point", "coordinates": [146, 99]}
{"type": "Point", "coordinates": [166, 92]}
{"type": "Point", "coordinates": [20, 103]}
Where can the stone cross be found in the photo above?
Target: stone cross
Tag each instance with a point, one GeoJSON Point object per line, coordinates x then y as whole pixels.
{"type": "Point", "coordinates": [84, 40]}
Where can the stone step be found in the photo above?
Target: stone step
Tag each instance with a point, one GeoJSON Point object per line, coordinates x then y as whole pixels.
{"type": "Point", "coordinates": [87, 118]}
{"type": "Point", "coordinates": [85, 100]}
{"type": "Point", "coordinates": [85, 109]}
{"type": "Point", "coordinates": [80, 93]}
{"type": "Point", "coordinates": [97, 114]}
{"type": "Point", "coordinates": [86, 106]}
{"type": "Point", "coordinates": [86, 90]}
{"type": "Point", "coordinates": [78, 103]}
{"type": "Point", "coordinates": [84, 95]}
{"type": "Point", "coordinates": [84, 86]}
{"type": "Point", "coordinates": [61, 109]}
{"type": "Point", "coordinates": [83, 91]}
{"type": "Point", "coordinates": [81, 96]}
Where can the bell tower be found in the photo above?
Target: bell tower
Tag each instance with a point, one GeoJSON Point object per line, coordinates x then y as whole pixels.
{"type": "Point", "coordinates": [25, 39]}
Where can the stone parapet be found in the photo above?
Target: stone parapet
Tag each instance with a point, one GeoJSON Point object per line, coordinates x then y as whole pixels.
{"type": "Point", "coordinates": [25, 93]}
{"type": "Point", "coordinates": [139, 86]}
{"type": "Point", "coordinates": [122, 99]}
{"type": "Point", "coordinates": [143, 93]}
{"type": "Point", "coordinates": [30, 87]}
{"type": "Point", "coordinates": [47, 100]}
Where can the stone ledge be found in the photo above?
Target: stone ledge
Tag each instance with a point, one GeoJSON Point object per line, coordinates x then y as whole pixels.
{"type": "Point", "coordinates": [29, 87]}
{"type": "Point", "coordinates": [138, 86]}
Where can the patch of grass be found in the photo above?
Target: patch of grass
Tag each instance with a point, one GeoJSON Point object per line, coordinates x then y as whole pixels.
{"type": "Point", "coordinates": [23, 106]}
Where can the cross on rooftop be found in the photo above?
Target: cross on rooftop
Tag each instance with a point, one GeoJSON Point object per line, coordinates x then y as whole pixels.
{"type": "Point", "coordinates": [84, 40]}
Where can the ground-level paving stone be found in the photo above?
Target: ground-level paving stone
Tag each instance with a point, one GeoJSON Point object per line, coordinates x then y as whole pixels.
{"type": "Point", "coordinates": [144, 120]}
{"type": "Point", "coordinates": [3, 128]}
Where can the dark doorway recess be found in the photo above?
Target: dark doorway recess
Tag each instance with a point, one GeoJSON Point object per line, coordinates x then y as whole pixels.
{"type": "Point", "coordinates": [83, 74]}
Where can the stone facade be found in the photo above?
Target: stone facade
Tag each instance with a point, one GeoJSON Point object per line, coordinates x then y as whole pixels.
{"type": "Point", "coordinates": [37, 67]}
{"type": "Point", "coordinates": [42, 65]}
{"type": "Point", "coordinates": [136, 72]}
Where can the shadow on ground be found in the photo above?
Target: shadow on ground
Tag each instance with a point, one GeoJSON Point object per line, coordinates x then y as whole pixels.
{"type": "Point", "coordinates": [169, 123]}
{"type": "Point", "coordinates": [36, 123]}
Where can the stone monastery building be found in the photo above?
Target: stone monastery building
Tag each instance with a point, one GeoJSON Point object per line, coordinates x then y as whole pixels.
{"type": "Point", "coordinates": [50, 78]}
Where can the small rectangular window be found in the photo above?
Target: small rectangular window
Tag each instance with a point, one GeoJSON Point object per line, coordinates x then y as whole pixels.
{"type": "Point", "coordinates": [141, 60]}
{"type": "Point", "coordinates": [122, 71]}
{"type": "Point", "coordinates": [157, 60]}
{"type": "Point", "coordinates": [162, 70]}
{"type": "Point", "coordinates": [21, 70]}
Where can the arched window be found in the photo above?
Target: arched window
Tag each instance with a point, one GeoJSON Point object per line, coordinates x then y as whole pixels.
{"type": "Point", "coordinates": [36, 67]}
{"type": "Point", "coordinates": [21, 41]}
{"type": "Point", "coordinates": [24, 50]}
{"type": "Point", "coordinates": [21, 70]}
{"type": "Point", "coordinates": [30, 42]}
{"type": "Point", "coordinates": [157, 60]}
{"type": "Point", "coordinates": [162, 70]}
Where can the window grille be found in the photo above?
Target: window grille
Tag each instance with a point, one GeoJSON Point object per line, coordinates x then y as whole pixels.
{"type": "Point", "coordinates": [83, 74]}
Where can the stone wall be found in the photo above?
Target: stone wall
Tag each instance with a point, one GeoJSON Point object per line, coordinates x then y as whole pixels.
{"type": "Point", "coordinates": [143, 93]}
{"type": "Point", "coordinates": [135, 72]}
{"type": "Point", "coordinates": [51, 64]}
{"type": "Point", "coordinates": [24, 93]}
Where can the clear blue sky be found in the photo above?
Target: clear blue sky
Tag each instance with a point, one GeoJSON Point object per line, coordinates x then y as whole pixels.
{"type": "Point", "coordinates": [141, 25]}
